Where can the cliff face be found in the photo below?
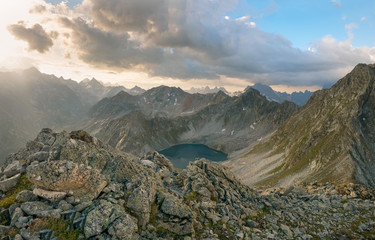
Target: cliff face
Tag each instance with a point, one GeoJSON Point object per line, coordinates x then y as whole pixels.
{"type": "Point", "coordinates": [329, 139]}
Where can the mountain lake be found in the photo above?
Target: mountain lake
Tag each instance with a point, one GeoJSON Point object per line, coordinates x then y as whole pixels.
{"type": "Point", "coordinates": [180, 155]}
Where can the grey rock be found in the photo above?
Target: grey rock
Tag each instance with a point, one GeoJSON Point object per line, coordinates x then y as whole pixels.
{"type": "Point", "coordinates": [175, 207]}
{"type": "Point", "coordinates": [9, 183]}
{"type": "Point", "coordinates": [38, 156]}
{"type": "Point", "coordinates": [22, 222]}
{"type": "Point", "coordinates": [160, 160]}
{"type": "Point", "coordinates": [250, 223]}
{"type": "Point", "coordinates": [124, 227]}
{"type": "Point", "coordinates": [149, 164]}
{"type": "Point", "coordinates": [36, 208]}
{"type": "Point", "coordinates": [12, 169]}
{"type": "Point", "coordinates": [24, 196]}
{"type": "Point", "coordinates": [81, 181]}
{"type": "Point", "coordinates": [286, 230]}
{"type": "Point", "coordinates": [4, 230]}
{"type": "Point", "coordinates": [51, 196]}
{"type": "Point", "coordinates": [101, 217]}
{"type": "Point", "coordinates": [18, 237]}
{"type": "Point", "coordinates": [17, 213]}
{"type": "Point", "coordinates": [80, 207]}
{"type": "Point", "coordinates": [64, 205]}
{"type": "Point", "coordinates": [140, 202]}
{"type": "Point", "coordinates": [28, 235]}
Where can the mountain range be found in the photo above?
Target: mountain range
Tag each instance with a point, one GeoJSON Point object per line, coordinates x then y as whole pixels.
{"type": "Point", "coordinates": [31, 100]}
{"type": "Point", "coordinates": [329, 139]}
{"type": "Point", "coordinates": [299, 98]}
{"type": "Point", "coordinates": [294, 172]}
{"type": "Point", "coordinates": [165, 116]}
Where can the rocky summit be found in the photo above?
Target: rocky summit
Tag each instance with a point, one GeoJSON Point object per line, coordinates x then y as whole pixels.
{"type": "Point", "coordinates": [72, 186]}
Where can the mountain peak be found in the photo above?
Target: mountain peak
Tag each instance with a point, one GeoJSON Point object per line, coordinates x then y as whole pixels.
{"type": "Point", "coordinates": [330, 138]}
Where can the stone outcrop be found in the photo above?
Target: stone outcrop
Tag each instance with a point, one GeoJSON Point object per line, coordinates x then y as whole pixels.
{"type": "Point", "coordinates": [79, 180]}
{"type": "Point", "coordinates": [156, 201]}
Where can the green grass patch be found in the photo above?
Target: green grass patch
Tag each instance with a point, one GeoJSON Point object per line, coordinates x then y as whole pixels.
{"type": "Point", "coordinates": [193, 196]}
{"type": "Point", "coordinates": [62, 229]}
{"type": "Point", "coordinates": [277, 169]}
{"type": "Point", "coordinates": [10, 197]}
{"type": "Point", "coordinates": [154, 211]}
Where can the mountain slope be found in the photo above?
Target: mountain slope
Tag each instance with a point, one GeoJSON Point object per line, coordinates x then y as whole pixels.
{"type": "Point", "coordinates": [166, 116]}
{"type": "Point", "coordinates": [330, 139]}
{"type": "Point", "coordinates": [31, 100]}
{"type": "Point", "coordinates": [299, 98]}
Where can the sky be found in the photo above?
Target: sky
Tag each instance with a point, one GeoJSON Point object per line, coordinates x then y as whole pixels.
{"type": "Point", "coordinates": [288, 44]}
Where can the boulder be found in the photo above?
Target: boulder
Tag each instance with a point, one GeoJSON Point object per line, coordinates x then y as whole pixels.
{"type": "Point", "coordinates": [9, 183]}
{"type": "Point", "coordinates": [174, 207]}
{"type": "Point", "coordinates": [16, 215]}
{"type": "Point", "coordinates": [51, 196]}
{"type": "Point", "coordinates": [160, 160]}
{"type": "Point", "coordinates": [79, 180]}
{"type": "Point", "coordinates": [124, 227]}
{"type": "Point", "coordinates": [24, 196]}
{"type": "Point", "coordinates": [140, 202]}
{"type": "Point", "coordinates": [99, 218]}
{"type": "Point", "coordinates": [38, 156]}
{"type": "Point", "coordinates": [12, 169]}
{"type": "Point", "coordinates": [40, 209]}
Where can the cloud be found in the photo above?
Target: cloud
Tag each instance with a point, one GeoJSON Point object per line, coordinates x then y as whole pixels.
{"type": "Point", "coordinates": [98, 47]}
{"type": "Point", "coordinates": [36, 36]}
{"type": "Point", "coordinates": [349, 27]}
{"type": "Point", "coordinates": [363, 19]}
{"type": "Point", "coordinates": [38, 9]}
{"type": "Point", "coordinates": [188, 40]}
{"type": "Point", "coordinates": [336, 3]}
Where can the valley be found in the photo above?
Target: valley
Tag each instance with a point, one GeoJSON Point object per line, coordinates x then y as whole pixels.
{"type": "Point", "coordinates": [277, 170]}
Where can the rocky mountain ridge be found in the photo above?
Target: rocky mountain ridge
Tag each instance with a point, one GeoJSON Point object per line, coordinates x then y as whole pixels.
{"type": "Point", "coordinates": [72, 186]}
{"type": "Point", "coordinates": [329, 139]}
{"type": "Point", "coordinates": [299, 98]}
{"type": "Point", "coordinates": [166, 116]}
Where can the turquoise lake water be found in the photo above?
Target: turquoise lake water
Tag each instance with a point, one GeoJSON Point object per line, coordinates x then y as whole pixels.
{"type": "Point", "coordinates": [180, 155]}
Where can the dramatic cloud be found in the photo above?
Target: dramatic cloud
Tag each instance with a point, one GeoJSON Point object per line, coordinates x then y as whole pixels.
{"type": "Point", "coordinates": [36, 36]}
{"type": "Point", "coordinates": [98, 47]}
{"type": "Point", "coordinates": [190, 39]}
{"type": "Point", "coordinates": [185, 40]}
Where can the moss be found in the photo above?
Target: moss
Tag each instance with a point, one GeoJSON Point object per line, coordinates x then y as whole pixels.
{"type": "Point", "coordinates": [62, 229]}
{"type": "Point", "coordinates": [153, 216]}
{"type": "Point", "coordinates": [277, 169]}
{"type": "Point", "coordinates": [10, 197]}
{"type": "Point", "coordinates": [12, 232]}
{"type": "Point", "coordinates": [214, 198]}
{"type": "Point", "coordinates": [193, 196]}
{"type": "Point", "coordinates": [344, 201]}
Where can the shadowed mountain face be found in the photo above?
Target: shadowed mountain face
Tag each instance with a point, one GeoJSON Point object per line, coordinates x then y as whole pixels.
{"type": "Point", "coordinates": [332, 138]}
{"type": "Point", "coordinates": [165, 116]}
{"type": "Point", "coordinates": [31, 100]}
{"type": "Point", "coordinates": [299, 98]}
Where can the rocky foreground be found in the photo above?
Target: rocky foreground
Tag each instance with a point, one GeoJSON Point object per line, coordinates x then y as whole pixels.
{"type": "Point", "coordinates": [71, 186]}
